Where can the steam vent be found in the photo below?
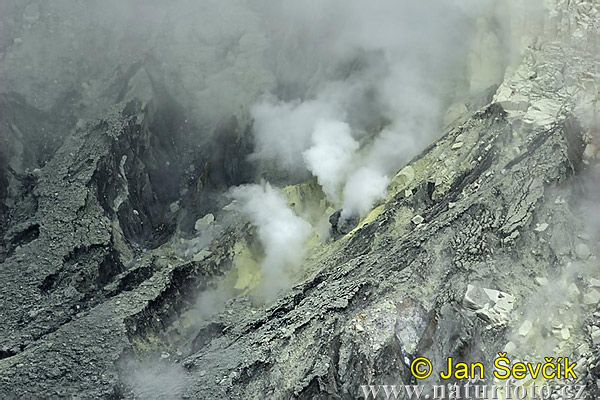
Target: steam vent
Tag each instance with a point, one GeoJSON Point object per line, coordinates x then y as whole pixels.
{"type": "Point", "coordinates": [311, 199]}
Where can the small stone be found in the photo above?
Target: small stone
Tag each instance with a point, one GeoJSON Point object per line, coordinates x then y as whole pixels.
{"type": "Point", "coordinates": [565, 334]}
{"type": "Point", "coordinates": [469, 299]}
{"type": "Point", "coordinates": [451, 205]}
{"type": "Point", "coordinates": [165, 355]}
{"type": "Point", "coordinates": [505, 303]}
{"type": "Point", "coordinates": [595, 335]}
{"type": "Point", "coordinates": [592, 297]}
{"type": "Point", "coordinates": [492, 294]}
{"type": "Point", "coordinates": [590, 151]}
{"type": "Point", "coordinates": [457, 145]}
{"type": "Point", "coordinates": [525, 328]}
{"type": "Point", "coordinates": [595, 282]}
{"type": "Point", "coordinates": [541, 227]}
{"type": "Point", "coordinates": [583, 348]}
{"type": "Point", "coordinates": [417, 220]}
{"type": "Point", "coordinates": [408, 193]}
{"type": "Point", "coordinates": [510, 347]}
{"type": "Point", "coordinates": [541, 281]}
{"type": "Point", "coordinates": [174, 207]}
{"type": "Point", "coordinates": [573, 291]}
{"type": "Point", "coordinates": [406, 175]}
{"type": "Point", "coordinates": [204, 222]}
{"type": "Point", "coordinates": [583, 251]}
{"type": "Point", "coordinates": [201, 255]}
{"type": "Point", "coordinates": [359, 328]}
{"type": "Point", "coordinates": [557, 325]}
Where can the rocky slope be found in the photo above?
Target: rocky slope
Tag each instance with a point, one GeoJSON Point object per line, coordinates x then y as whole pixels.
{"type": "Point", "coordinates": [115, 287]}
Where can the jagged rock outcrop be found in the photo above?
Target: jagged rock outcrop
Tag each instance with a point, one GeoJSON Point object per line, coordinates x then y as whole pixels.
{"type": "Point", "coordinates": [349, 313]}
{"type": "Point", "coordinates": [75, 231]}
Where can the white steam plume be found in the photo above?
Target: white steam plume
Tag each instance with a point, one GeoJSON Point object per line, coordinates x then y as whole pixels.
{"type": "Point", "coordinates": [331, 155]}
{"type": "Point", "coordinates": [284, 130]}
{"type": "Point", "coordinates": [281, 232]}
{"type": "Point", "coordinates": [362, 189]}
{"type": "Point", "coordinates": [368, 183]}
{"type": "Point", "coordinates": [404, 59]}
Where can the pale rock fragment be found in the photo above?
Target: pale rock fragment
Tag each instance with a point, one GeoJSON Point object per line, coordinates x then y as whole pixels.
{"type": "Point", "coordinates": [541, 281]}
{"type": "Point", "coordinates": [174, 207]}
{"type": "Point", "coordinates": [406, 175]}
{"type": "Point", "coordinates": [589, 152]}
{"type": "Point", "coordinates": [417, 220]}
{"type": "Point", "coordinates": [592, 297]}
{"type": "Point", "coordinates": [469, 299]}
{"type": "Point", "coordinates": [595, 335]}
{"type": "Point", "coordinates": [491, 305]}
{"type": "Point", "coordinates": [541, 227]}
{"type": "Point", "coordinates": [505, 303]}
{"type": "Point", "coordinates": [583, 348]}
{"type": "Point", "coordinates": [573, 291]}
{"type": "Point", "coordinates": [542, 112]}
{"type": "Point", "coordinates": [510, 347]}
{"type": "Point", "coordinates": [201, 255]}
{"type": "Point", "coordinates": [516, 103]}
{"type": "Point", "coordinates": [402, 179]}
{"type": "Point", "coordinates": [582, 251]}
{"type": "Point", "coordinates": [556, 324]}
{"type": "Point", "coordinates": [525, 328]}
{"type": "Point", "coordinates": [204, 222]}
{"type": "Point", "coordinates": [492, 294]}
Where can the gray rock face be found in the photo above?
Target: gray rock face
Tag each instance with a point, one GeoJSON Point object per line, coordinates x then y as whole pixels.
{"type": "Point", "coordinates": [115, 245]}
{"type": "Point", "coordinates": [74, 233]}
{"type": "Point", "coordinates": [338, 309]}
